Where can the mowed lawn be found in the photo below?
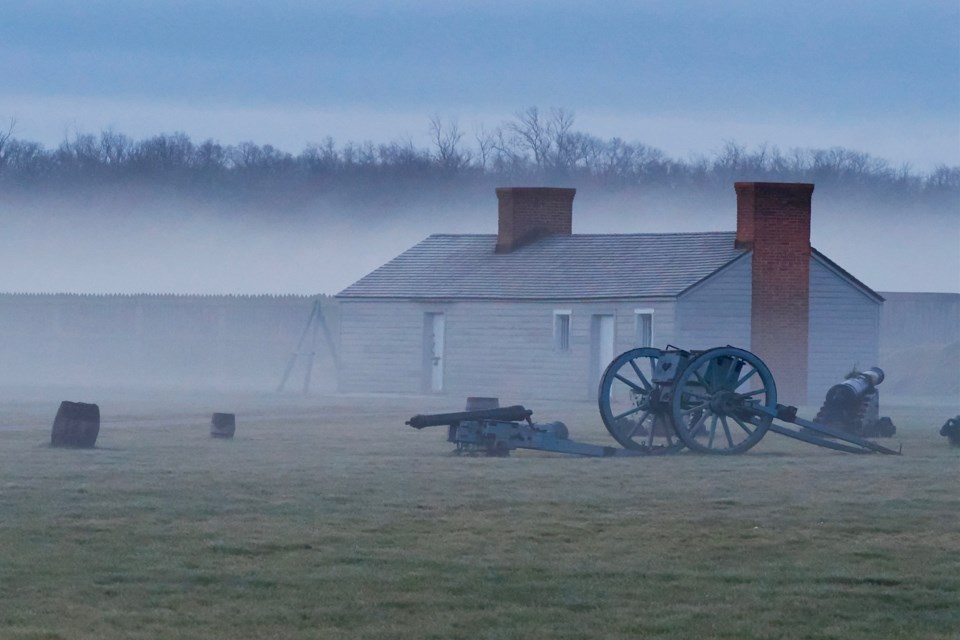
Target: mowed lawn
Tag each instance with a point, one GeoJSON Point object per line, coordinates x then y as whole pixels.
{"type": "Point", "coordinates": [328, 518]}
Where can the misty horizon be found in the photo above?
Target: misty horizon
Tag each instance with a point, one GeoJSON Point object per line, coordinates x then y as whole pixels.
{"type": "Point", "coordinates": [196, 254]}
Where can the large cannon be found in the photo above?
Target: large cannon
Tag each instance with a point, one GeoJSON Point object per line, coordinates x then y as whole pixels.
{"type": "Point", "coordinates": [720, 401]}
{"type": "Point", "coordinates": [854, 406]}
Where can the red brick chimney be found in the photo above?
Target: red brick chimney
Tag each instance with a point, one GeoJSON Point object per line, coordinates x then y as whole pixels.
{"type": "Point", "coordinates": [773, 219]}
{"type": "Point", "coordinates": [529, 213]}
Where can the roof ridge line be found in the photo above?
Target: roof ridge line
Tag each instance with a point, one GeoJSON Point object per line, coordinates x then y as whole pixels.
{"type": "Point", "coordinates": [590, 235]}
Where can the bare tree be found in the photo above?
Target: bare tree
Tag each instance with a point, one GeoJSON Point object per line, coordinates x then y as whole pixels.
{"type": "Point", "coordinates": [164, 153]}
{"type": "Point", "coordinates": [562, 151]}
{"type": "Point", "coordinates": [945, 178]}
{"type": "Point", "coordinates": [509, 156]}
{"type": "Point", "coordinates": [5, 139]}
{"type": "Point", "coordinates": [81, 154]}
{"type": "Point", "coordinates": [404, 159]}
{"type": "Point", "coordinates": [210, 157]}
{"type": "Point", "coordinates": [486, 141]}
{"type": "Point", "coordinates": [321, 158]}
{"type": "Point", "coordinates": [115, 148]}
{"type": "Point", "coordinates": [446, 138]}
{"type": "Point", "coordinates": [550, 139]}
{"type": "Point", "coordinates": [530, 133]}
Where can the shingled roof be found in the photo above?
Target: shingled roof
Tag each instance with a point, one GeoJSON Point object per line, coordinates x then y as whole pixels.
{"type": "Point", "coordinates": [581, 266]}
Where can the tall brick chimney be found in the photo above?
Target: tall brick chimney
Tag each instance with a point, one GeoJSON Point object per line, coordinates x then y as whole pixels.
{"type": "Point", "coordinates": [773, 219]}
{"type": "Point", "coordinates": [529, 213]}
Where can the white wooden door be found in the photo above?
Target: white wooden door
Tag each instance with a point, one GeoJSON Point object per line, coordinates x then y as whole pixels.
{"type": "Point", "coordinates": [605, 343]}
{"type": "Point", "coordinates": [601, 348]}
{"type": "Point", "coordinates": [438, 328]}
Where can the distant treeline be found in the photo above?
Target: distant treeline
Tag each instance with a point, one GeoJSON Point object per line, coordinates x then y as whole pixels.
{"type": "Point", "coordinates": [535, 147]}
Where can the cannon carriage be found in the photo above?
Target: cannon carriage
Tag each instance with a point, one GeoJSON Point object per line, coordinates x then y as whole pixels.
{"type": "Point", "coordinates": [719, 401]}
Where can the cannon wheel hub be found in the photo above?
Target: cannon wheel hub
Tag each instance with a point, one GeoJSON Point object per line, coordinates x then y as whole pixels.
{"type": "Point", "coordinates": [725, 402]}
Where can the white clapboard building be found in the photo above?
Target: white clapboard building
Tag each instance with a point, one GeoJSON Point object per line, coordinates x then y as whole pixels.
{"type": "Point", "coordinates": [536, 311]}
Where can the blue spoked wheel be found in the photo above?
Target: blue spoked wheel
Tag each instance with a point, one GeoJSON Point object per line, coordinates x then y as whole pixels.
{"type": "Point", "coordinates": [632, 407]}
{"type": "Point", "coordinates": [715, 401]}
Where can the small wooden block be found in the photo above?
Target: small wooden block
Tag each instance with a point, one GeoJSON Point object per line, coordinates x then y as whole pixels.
{"type": "Point", "coordinates": [223, 425]}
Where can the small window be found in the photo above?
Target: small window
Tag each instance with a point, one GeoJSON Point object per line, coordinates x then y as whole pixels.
{"type": "Point", "coordinates": [644, 327]}
{"type": "Point", "coordinates": [561, 330]}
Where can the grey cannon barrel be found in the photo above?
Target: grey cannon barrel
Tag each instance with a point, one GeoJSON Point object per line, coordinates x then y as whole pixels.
{"type": "Point", "coordinates": [505, 414]}
{"type": "Point", "coordinates": [854, 406]}
{"type": "Point", "coordinates": [855, 388]}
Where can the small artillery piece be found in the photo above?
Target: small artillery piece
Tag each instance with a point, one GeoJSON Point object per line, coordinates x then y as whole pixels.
{"type": "Point", "coordinates": [951, 429]}
{"type": "Point", "coordinates": [498, 431]}
{"type": "Point", "coordinates": [854, 406]}
{"type": "Point", "coordinates": [720, 401]}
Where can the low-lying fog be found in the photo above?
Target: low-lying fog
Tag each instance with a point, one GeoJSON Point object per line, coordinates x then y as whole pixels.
{"type": "Point", "coordinates": [182, 248]}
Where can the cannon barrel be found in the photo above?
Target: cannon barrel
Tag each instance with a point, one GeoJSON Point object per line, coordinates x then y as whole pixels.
{"type": "Point", "coordinates": [503, 414]}
{"type": "Point", "coordinates": [856, 387]}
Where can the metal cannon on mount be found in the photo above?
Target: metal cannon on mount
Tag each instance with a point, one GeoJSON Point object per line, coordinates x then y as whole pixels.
{"type": "Point", "coordinates": [854, 406]}
{"type": "Point", "coordinates": [496, 432]}
{"type": "Point", "coordinates": [951, 430]}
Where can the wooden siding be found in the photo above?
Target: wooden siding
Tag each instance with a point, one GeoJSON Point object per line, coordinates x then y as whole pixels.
{"type": "Point", "coordinates": [716, 312]}
{"type": "Point", "coordinates": [506, 349]}
{"type": "Point", "coordinates": [844, 329]}
{"type": "Point", "coordinates": [502, 349]}
{"type": "Point", "coordinates": [381, 347]}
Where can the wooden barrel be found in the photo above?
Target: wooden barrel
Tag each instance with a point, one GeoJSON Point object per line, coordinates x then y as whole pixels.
{"type": "Point", "coordinates": [77, 425]}
{"type": "Point", "coordinates": [223, 425]}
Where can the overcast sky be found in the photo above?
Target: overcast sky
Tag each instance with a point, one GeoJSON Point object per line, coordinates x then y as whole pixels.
{"type": "Point", "coordinates": [878, 76]}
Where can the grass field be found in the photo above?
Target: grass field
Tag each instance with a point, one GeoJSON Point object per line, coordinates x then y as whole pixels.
{"type": "Point", "coordinates": [327, 518]}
